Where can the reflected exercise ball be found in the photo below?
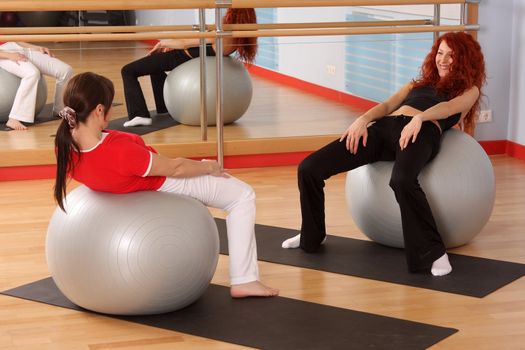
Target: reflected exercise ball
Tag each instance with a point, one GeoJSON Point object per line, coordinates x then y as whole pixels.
{"type": "Point", "coordinates": [40, 18]}
{"type": "Point", "coordinates": [139, 253]}
{"type": "Point", "coordinates": [182, 91]}
{"type": "Point", "coordinates": [10, 84]}
{"type": "Point", "coordinates": [459, 184]}
{"type": "Point", "coordinates": [8, 19]}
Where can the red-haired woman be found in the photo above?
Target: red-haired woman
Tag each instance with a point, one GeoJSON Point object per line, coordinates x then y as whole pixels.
{"type": "Point", "coordinates": [407, 130]}
{"type": "Point", "coordinates": [167, 55]}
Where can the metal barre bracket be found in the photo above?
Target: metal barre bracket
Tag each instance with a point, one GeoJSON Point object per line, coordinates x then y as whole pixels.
{"type": "Point", "coordinates": [223, 3]}
{"type": "Point", "coordinates": [471, 27]}
{"type": "Point", "coordinates": [222, 34]}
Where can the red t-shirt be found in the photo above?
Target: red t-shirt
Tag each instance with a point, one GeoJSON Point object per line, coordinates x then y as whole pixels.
{"type": "Point", "coordinates": [120, 163]}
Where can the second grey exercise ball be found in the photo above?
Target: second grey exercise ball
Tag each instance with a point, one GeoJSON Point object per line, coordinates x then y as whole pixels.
{"type": "Point", "coordinates": [182, 91]}
{"type": "Point", "coordinates": [10, 84]}
{"type": "Point", "coordinates": [459, 184]}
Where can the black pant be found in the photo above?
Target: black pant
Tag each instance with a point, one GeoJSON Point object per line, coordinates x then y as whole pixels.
{"type": "Point", "coordinates": [155, 66]}
{"type": "Point", "coordinates": [423, 244]}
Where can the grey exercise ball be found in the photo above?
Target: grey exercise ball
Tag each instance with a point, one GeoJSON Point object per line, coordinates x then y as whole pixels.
{"type": "Point", "coordinates": [459, 185]}
{"type": "Point", "coordinates": [40, 18]}
{"type": "Point", "coordinates": [132, 254]}
{"type": "Point", "coordinates": [10, 84]}
{"type": "Point", "coordinates": [182, 91]}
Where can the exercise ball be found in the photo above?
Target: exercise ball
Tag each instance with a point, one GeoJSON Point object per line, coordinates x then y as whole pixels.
{"type": "Point", "coordinates": [459, 185]}
{"type": "Point", "coordinates": [8, 19]}
{"type": "Point", "coordinates": [132, 254]}
{"type": "Point", "coordinates": [182, 91]}
{"type": "Point", "coordinates": [40, 18]}
{"type": "Point", "coordinates": [10, 84]}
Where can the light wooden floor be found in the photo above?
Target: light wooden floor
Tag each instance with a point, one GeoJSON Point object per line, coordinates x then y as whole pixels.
{"type": "Point", "coordinates": [494, 322]}
{"type": "Point", "coordinates": [291, 119]}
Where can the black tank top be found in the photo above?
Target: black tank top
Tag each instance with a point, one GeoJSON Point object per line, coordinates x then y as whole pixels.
{"type": "Point", "coordinates": [424, 97]}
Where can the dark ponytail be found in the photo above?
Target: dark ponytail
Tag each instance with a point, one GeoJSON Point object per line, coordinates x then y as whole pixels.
{"type": "Point", "coordinates": [83, 94]}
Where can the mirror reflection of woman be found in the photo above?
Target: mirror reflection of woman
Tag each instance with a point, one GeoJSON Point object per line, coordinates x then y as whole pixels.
{"type": "Point", "coordinates": [169, 54]}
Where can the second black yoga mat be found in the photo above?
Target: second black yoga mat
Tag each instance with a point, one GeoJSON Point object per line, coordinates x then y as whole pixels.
{"type": "Point", "coordinates": [45, 115]}
{"type": "Point", "coordinates": [159, 122]}
{"type": "Point", "coordinates": [472, 276]}
{"type": "Point", "coordinates": [270, 323]}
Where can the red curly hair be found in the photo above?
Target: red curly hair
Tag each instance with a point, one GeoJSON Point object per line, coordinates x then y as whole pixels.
{"type": "Point", "coordinates": [467, 70]}
{"type": "Point", "coordinates": [247, 47]}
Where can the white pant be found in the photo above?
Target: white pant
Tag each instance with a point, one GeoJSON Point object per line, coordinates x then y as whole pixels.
{"type": "Point", "coordinates": [238, 199]}
{"type": "Point", "coordinates": [29, 73]}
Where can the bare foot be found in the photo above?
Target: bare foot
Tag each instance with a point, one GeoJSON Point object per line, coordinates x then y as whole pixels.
{"type": "Point", "coordinates": [252, 289]}
{"type": "Point", "coordinates": [15, 124]}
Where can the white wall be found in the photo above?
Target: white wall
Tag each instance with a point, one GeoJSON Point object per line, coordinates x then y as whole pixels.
{"type": "Point", "coordinates": [502, 37]}
{"type": "Point", "coordinates": [495, 37]}
{"type": "Point", "coordinates": [165, 17]}
{"type": "Point", "coordinates": [307, 58]}
{"type": "Point", "coordinates": [516, 125]}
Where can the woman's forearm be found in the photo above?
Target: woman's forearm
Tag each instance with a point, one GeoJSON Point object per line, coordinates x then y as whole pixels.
{"type": "Point", "coordinates": [182, 167]}
{"type": "Point", "coordinates": [375, 113]}
{"type": "Point", "coordinates": [28, 45]}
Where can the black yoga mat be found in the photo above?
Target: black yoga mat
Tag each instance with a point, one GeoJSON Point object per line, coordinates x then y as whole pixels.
{"type": "Point", "coordinates": [45, 115]}
{"type": "Point", "coordinates": [270, 323]}
{"type": "Point", "coordinates": [159, 122]}
{"type": "Point", "coordinates": [471, 276]}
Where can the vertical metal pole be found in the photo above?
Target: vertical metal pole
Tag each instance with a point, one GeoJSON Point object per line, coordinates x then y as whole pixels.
{"type": "Point", "coordinates": [437, 19]}
{"type": "Point", "coordinates": [218, 107]}
{"type": "Point", "coordinates": [202, 55]}
{"type": "Point", "coordinates": [462, 14]}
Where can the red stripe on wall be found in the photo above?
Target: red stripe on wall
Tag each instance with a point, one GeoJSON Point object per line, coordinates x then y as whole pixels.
{"type": "Point", "coordinates": [31, 172]}
{"type": "Point", "coordinates": [264, 160]}
{"type": "Point", "coordinates": [515, 150]}
{"type": "Point", "coordinates": [334, 95]}
{"type": "Point", "coordinates": [37, 172]}
{"type": "Point", "coordinates": [494, 147]}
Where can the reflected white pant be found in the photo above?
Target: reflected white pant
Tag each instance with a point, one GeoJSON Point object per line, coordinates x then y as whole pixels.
{"type": "Point", "coordinates": [29, 73]}
{"type": "Point", "coordinates": [238, 199]}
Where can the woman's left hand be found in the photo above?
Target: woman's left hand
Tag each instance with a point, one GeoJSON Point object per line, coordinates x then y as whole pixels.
{"type": "Point", "coordinates": [410, 132]}
{"type": "Point", "coordinates": [46, 51]}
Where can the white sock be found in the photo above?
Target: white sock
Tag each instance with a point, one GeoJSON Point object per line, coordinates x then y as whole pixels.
{"type": "Point", "coordinates": [295, 241]}
{"type": "Point", "coordinates": [137, 121]}
{"type": "Point", "coordinates": [441, 266]}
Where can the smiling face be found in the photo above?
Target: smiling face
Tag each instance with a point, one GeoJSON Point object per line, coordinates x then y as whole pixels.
{"type": "Point", "coordinates": [444, 59]}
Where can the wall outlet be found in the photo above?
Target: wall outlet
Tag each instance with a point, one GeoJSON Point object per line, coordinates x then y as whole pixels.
{"type": "Point", "coordinates": [330, 69]}
{"type": "Point", "coordinates": [485, 116]}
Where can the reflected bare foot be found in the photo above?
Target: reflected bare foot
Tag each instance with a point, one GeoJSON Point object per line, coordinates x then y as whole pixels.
{"type": "Point", "coordinates": [15, 124]}
{"type": "Point", "coordinates": [252, 289]}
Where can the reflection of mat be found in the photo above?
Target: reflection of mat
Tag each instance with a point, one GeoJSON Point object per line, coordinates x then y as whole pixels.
{"type": "Point", "coordinates": [270, 323]}
{"type": "Point", "coordinates": [471, 276]}
{"type": "Point", "coordinates": [45, 115]}
{"type": "Point", "coordinates": [161, 121]}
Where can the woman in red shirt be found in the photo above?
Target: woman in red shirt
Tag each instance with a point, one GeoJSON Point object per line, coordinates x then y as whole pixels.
{"type": "Point", "coordinates": [118, 162]}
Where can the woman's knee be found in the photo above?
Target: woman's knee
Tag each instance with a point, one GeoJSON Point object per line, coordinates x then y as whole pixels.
{"type": "Point", "coordinates": [128, 70]}
{"type": "Point", "coordinates": [65, 73]}
{"type": "Point", "coordinates": [30, 73]}
{"type": "Point", "coordinates": [247, 194]}
{"type": "Point", "coordinates": [309, 167]}
{"type": "Point", "coordinates": [400, 182]}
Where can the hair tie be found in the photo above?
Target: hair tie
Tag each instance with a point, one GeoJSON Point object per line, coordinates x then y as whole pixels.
{"type": "Point", "coordinates": [69, 115]}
